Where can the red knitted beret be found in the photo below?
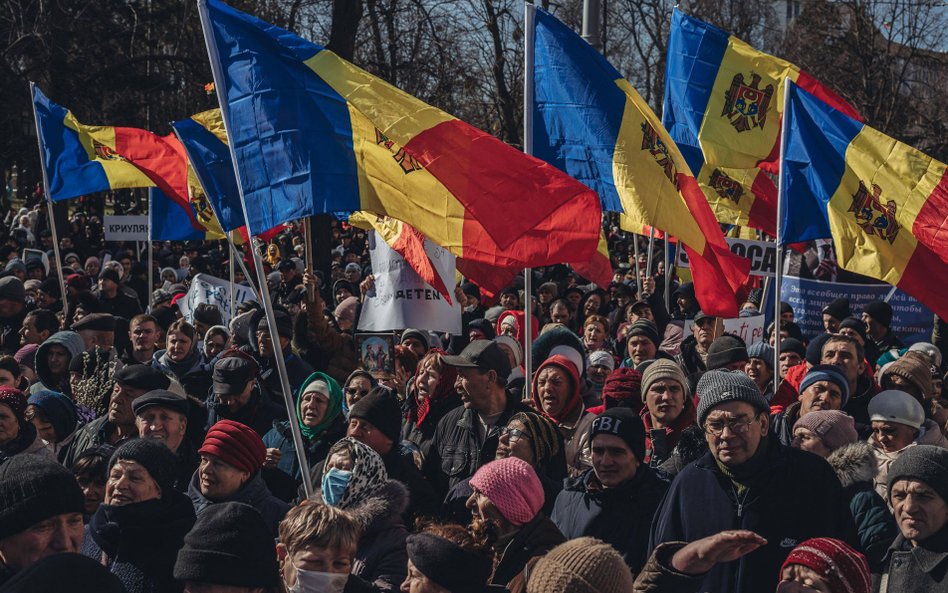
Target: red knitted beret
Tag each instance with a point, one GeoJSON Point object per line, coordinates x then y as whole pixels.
{"type": "Point", "coordinates": [235, 444]}
{"type": "Point", "coordinates": [844, 568]}
{"type": "Point", "coordinates": [15, 399]}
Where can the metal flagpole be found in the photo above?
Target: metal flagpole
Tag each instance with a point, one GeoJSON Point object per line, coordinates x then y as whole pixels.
{"type": "Point", "coordinates": [778, 242]}
{"type": "Point", "coordinates": [528, 100]}
{"type": "Point", "coordinates": [668, 274]}
{"type": "Point", "coordinates": [638, 276]}
{"type": "Point", "coordinates": [651, 251]}
{"type": "Point", "coordinates": [151, 262]}
{"type": "Point", "coordinates": [230, 269]}
{"type": "Point", "coordinates": [263, 294]}
{"type": "Point", "coordinates": [49, 200]}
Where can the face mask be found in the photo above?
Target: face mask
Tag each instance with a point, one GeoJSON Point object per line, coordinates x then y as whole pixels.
{"type": "Point", "coordinates": [311, 581]}
{"type": "Point", "coordinates": [334, 485]}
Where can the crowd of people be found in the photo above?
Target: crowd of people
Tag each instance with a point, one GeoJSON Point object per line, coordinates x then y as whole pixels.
{"type": "Point", "coordinates": [146, 452]}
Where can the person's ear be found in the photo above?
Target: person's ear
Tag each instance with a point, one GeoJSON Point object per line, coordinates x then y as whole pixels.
{"type": "Point", "coordinates": [765, 423]}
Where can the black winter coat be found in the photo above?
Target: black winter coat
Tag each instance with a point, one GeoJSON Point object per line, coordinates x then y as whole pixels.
{"type": "Point", "coordinates": [259, 413]}
{"type": "Point", "coordinates": [619, 516]}
{"type": "Point", "coordinates": [254, 492]}
{"type": "Point", "coordinates": [141, 541]}
{"type": "Point", "coordinates": [536, 538]}
{"type": "Point", "coordinates": [456, 452]}
{"type": "Point", "coordinates": [795, 496]}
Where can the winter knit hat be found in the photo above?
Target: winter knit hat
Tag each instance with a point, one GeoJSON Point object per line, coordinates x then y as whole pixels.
{"type": "Point", "coordinates": [544, 440]}
{"type": "Point", "coordinates": [915, 368]}
{"type": "Point", "coordinates": [838, 309]}
{"type": "Point", "coordinates": [235, 444]}
{"type": "Point", "coordinates": [926, 463]}
{"type": "Point", "coordinates": [725, 350]}
{"type": "Point", "coordinates": [826, 372]}
{"type": "Point", "coordinates": [32, 489]}
{"type": "Point", "coordinates": [791, 345]}
{"type": "Point", "coordinates": [448, 564]}
{"type": "Point", "coordinates": [623, 387]}
{"type": "Point", "coordinates": [645, 327]}
{"type": "Point", "coordinates": [835, 428]}
{"type": "Point", "coordinates": [59, 409]}
{"type": "Point", "coordinates": [26, 356]}
{"type": "Point", "coordinates": [664, 369]}
{"type": "Point", "coordinates": [880, 311]}
{"type": "Point", "coordinates": [513, 487]}
{"type": "Point", "coordinates": [897, 406]}
{"type": "Point", "coordinates": [64, 572]}
{"type": "Point", "coordinates": [15, 400]}
{"type": "Point", "coordinates": [582, 565]}
{"type": "Point", "coordinates": [623, 423]}
{"type": "Point", "coordinates": [929, 350]}
{"type": "Point", "coordinates": [719, 387]}
{"type": "Point", "coordinates": [845, 569]}
{"type": "Point", "coordinates": [856, 325]}
{"type": "Point", "coordinates": [601, 358]}
{"type": "Point", "coordinates": [156, 458]}
{"type": "Point", "coordinates": [814, 350]}
{"type": "Point", "coordinates": [382, 410]}
{"type": "Point", "coordinates": [764, 352]}
{"type": "Point", "coordinates": [230, 544]}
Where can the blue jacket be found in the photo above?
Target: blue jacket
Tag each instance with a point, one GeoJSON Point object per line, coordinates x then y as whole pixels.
{"type": "Point", "coordinates": [254, 492]}
{"type": "Point", "coordinates": [280, 437]}
{"type": "Point", "coordinates": [794, 497]}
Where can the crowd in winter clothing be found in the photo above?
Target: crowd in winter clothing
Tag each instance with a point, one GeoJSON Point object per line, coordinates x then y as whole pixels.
{"type": "Point", "coordinates": [645, 450]}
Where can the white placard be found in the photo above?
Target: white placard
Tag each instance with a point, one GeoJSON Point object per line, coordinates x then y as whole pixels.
{"type": "Point", "coordinates": [762, 255]}
{"type": "Point", "coordinates": [209, 289]}
{"type": "Point", "coordinates": [126, 228]}
{"type": "Point", "coordinates": [749, 329]}
{"type": "Point", "coordinates": [401, 299]}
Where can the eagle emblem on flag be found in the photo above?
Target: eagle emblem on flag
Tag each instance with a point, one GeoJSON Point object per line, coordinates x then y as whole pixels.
{"type": "Point", "coordinates": [746, 104]}
{"type": "Point", "coordinates": [872, 216]}
{"type": "Point", "coordinates": [725, 186]}
{"type": "Point", "coordinates": [656, 147]}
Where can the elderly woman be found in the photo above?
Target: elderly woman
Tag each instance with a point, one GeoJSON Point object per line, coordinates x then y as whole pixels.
{"type": "Point", "coordinates": [556, 395]}
{"type": "Point", "coordinates": [596, 333]}
{"type": "Point", "coordinates": [355, 480]}
{"type": "Point", "coordinates": [54, 417]}
{"type": "Point", "coordinates": [18, 436]}
{"type": "Point", "coordinates": [506, 505]}
{"type": "Point", "coordinates": [215, 341]}
{"type": "Point", "coordinates": [139, 529]}
{"type": "Point", "coordinates": [447, 559]}
{"type": "Point", "coordinates": [319, 414]}
{"type": "Point", "coordinates": [431, 395]}
{"type": "Point", "coordinates": [183, 361]}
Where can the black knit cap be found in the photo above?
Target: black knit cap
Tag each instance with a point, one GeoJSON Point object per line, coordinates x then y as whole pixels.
{"type": "Point", "coordinates": [158, 459]}
{"type": "Point", "coordinates": [208, 314]}
{"type": "Point", "coordinates": [793, 345]}
{"type": "Point", "coordinates": [382, 410]}
{"type": "Point", "coordinates": [33, 489]}
{"type": "Point", "coordinates": [725, 350]}
{"type": "Point", "coordinates": [229, 544]}
{"type": "Point", "coordinates": [647, 328]}
{"type": "Point", "coordinates": [142, 376]}
{"type": "Point", "coordinates": [448, 564]}
{"type": "Point", "coordinates": [625, 424]}
{"type": "Point", "coordinates": [814, 350]}
{"type": "Point", "coordinates": [838, 308]}
{"type": "Point", "coordinates": [925, 463]}
{"type": "Point", "coordinates": [64, 572]}
{"type": "Point", "coordinates": [880, 311]}
{"type": "Point", "coordinates": [856, 325]}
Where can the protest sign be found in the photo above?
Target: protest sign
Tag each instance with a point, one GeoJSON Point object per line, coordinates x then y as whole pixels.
{"type": "Point", "coordinates": [208, 289]}
{"type": "Point", "coordinates": [126, 228]}
{"type": "Point", "coordinates": [401, 299]}
{"type": "Point", "coordinates": [762, 255]}
{"type": "Point", "coordinates": [749, 329]}
{"type": "Point", "coordinates": [911, 320]}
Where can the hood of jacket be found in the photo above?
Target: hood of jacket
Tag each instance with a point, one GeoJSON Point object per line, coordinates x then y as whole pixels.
{"type": "Point", "coordinates": [853, 463]}
{"type": "Point", "coordinates": [69, 340]}
{"type": "Point", "coordinates": [575, 399]}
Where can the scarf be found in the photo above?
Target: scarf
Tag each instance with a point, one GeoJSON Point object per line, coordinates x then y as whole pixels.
{"type": "Point", "coordinates": [368, 472]}
{"type": "Point", "coordinates": [332, 411]}
{"type": "Point", "coordinates": [181, 368]}
{"type": "Point", "coordinates": [743, 475]}
{"type": "Point", "coordinates": [443, 389]}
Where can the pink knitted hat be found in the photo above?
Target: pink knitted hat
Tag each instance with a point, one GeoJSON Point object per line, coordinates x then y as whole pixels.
{"type": "Point", "coordinates": [513, 487]}
{"type": "Point", "coordinates": [835, 428]}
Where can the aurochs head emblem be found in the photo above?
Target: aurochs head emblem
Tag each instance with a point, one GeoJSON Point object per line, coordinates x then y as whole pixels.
{"type": "Point", "coordinates": [746, 104]}
{"type": "Point", "coordinates": [872, 216]}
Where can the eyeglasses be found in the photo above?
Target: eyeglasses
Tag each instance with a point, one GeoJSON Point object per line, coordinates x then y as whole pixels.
{"type": "Point", "coordinates": [355, 391]}
{"type": "Point", "coordinates": [716, 428]}
{"type": "Point", "coordinates": [513, 434]}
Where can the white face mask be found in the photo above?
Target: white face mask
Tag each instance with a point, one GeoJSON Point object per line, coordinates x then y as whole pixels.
{"type": "Point", "coordinates": [311, 581]}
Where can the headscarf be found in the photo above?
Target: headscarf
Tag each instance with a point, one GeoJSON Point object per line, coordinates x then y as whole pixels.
{"type": "Point", "coordinates": [373, 382]}
{"type": "Point", "coordinates": [544, 439]}
{"type": "Point", "coordinates": [575, 399]}
{"type": "Point", "coordinates": [443, 389]}
{"type": "Point", "coordinates": [332, 411]}
{"type": "Point", "coordinates": [368, 472]}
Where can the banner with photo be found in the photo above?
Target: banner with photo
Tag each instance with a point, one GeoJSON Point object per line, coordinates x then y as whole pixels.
{"type": "Point", "coordinates": [208, 289]}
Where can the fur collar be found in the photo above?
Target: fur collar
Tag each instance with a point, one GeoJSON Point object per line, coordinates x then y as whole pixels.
{"type": "Point", "coordinates": [382, 509]}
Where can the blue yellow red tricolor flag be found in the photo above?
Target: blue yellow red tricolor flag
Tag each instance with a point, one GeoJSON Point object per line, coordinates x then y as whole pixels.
{"type": "Point", "coordinates": [884, 204]}
{"type": "Point", "coordinates": [591, 123]}
{"type": "Point", "coordinates": [722, 106]}
{"type": "Point", "coordinates": [313, 133]}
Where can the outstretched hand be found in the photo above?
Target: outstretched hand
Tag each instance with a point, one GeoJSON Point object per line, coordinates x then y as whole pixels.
{"type": "Point", "coordinates": [701, 555]}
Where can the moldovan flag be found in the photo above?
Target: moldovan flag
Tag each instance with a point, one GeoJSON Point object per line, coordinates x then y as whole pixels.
{"type": "Point", "coordinates": [722, 106]}
{"type": "Point", "coordinates": [884, 204]}
{"type": "Point", "coordinates": [591, 123]}
{"type": "Point", "coordinates": [312, 133]}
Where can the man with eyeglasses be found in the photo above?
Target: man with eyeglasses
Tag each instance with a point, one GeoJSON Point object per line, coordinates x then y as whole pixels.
{"type": "Point", "coordinates": [748, 480]}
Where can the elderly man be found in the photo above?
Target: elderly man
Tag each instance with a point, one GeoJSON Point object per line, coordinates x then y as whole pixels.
{"type": "Point", "coordinates": [237, 397]}
{"type": "Point", "coordinates": [823, 388]}
{"type": "Point", "coordinates": [162, 416]}
{"type": "Point", "coordinates": [918, 492]}
{"type": "Point", "coordinates": [748, 480]}
{"type": "Point", "coordinates": [694, 348]}
{"type": "Point", "coordinates": [13, 310]}
{"type": "Point", "coordinates": [97, 330]}
{"type": "Point", "coordinates": [466, 438]}
{"type": "Point", "coordinates": [41, 508]}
